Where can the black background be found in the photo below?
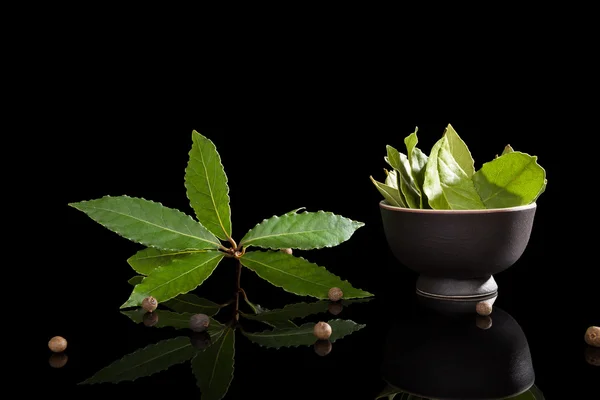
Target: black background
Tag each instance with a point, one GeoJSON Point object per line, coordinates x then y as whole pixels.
{"type": "Point", "coordinates": [305, 132]}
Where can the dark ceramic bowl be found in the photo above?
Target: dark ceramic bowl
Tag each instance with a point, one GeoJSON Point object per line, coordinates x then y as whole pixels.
{"type": "Point", "coordinates": [456, 252]}
{"type": "Point", "coordinates": [443, 357]}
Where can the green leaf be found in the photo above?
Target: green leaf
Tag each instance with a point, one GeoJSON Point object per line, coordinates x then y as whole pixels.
{"type": "Point", "coordinates": [190, 303]}
{"type": "Point", "coordinates": [432, 185]}
{"type": "Point", "coordinates": [182, 276]}
{"type": "Point", "coordinates": [214, 367]}
{"type": "Point", "coordinates": [507, 149]}
{"type": "Point", "coordinates": [206, 185]}
{"type": "Point", "coordinates": [458, 188]}
{"type": "Point", "coordinates": [391, 178]}
{"type": "Point", "coordinates": [307, 230]}
{"type": "Point", "coordinates": [513, 179]}
{"type": "Point", "coordinates": [169, 319]}
{"type": "Point", "coordinates": [297, 275]}
{"type": "Point", "coordinates": [447, 186]}
{"type": "Point", "coordinates": [302, 335]}
{"type": "Point", "coordinates": [388, 392]}
{"type": "Point", "coordinates": [392, 195]}
{"type": "Point", "coordinates": [536, 392]}
{"type": "Point", "coordinates": [148, 223]}
{"type": "Point", "coordinates": [146, 361]}
{"type": "Point", "coordinates": [418, 161]}
{"type": "Point", "coordinates": [532, 394]}
{"type": "Point", "coordinates": [147, 260]}
{"type": "Point", "coordinates": [298, 310]}
{"type": "Point", "coordinates": [400, 163]}
{"type": "Point", "coordinates": [460, 152]}
{"type": "Point", "coordinates": [136, 280]}
{"type": "Point", "coordinates": [280, 324]}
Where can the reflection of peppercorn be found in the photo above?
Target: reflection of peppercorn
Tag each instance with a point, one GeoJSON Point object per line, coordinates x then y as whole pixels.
{"type": "Point", "coordinates": [592, 336]}
{"type": "Point", "coordinates": [150, 319]}
{"type": "Point", "coordinates": [149, 304]}
{"type": "Point", "coordinates": [323, 347]}
{"type": "Point", "coordinates": [322, 330]}
{"type": "Point", "coordinates": [592, 356]}
{"type": "Point", "coordinates": [58, 360]}
{"type": "Point", "coordinates": [57, 344]}
{"type": "Point", "coordinates": [335, 294]}
{"type": "Point", "coordinates": [483, 322]}
{"type": "Point", "coordinates": [335, 308]}
{"type": "Point", "coordinates": [199, 322]}
{"type": "Point", "coordinates": [200, 340]}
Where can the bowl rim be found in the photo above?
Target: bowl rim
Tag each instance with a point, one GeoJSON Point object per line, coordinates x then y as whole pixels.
{"type": "Point", "coordinates": [386, 206]}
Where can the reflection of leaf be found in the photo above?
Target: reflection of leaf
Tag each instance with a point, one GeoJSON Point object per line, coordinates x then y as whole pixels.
{"type": "Point", "coordinates": [393, 393]}
{"type": "Point", "coordinates": [185, 274]}
{"type": "Point", "coordinates": [537, 393]}
{"type": "Point", "coordinates": [532, 394]}
{"type": "Point", "coordinates": [171, 319]}
{"type": "Point", "coordinates": [148, 223]}
{"type": "Point", "coordinates": [298, 310]}
{"type": "Point", "coordinates": [213, 367]}
{"type": "Point", "coordinates": [146, 361]}
{"type": "Point", "coordinates": [388, 393]}
{"type": "Point", "coordinates": [297, 275]}
{"type": "Point", "coordinates": [281, 324]}
{"type": "Point", "coordinates": [147, 260]}
{"type": "Point", "coordinates": [302, 335]}
{"type": "Point", "coordinates": [191, 303]}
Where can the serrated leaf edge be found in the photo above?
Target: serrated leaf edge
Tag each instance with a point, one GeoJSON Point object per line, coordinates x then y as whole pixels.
{"type": "Point", "coordinates": [355, 224]}
{"type": "Point", "coordinates": [74, 205]}
{"type": "Point", "coordinates": [174, 253]}
{"type": "Point", "coordinates": [232, 360]}
{"type": "Point", "coordinates": [367, 294]}
{"type": "Point", "coordinates": [128, 304]}
{"type": "Point", "coordinates": [357, 327]}
{"type": "Point", "coordinates": [195, 132]}
{"type": "Point", "coordinates": [87, 381]}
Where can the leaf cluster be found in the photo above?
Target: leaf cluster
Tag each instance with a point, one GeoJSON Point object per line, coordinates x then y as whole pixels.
{"type": "Point", "coordinates": [446, 178]}
{"type": "Point", "coordinates": [182, 252]}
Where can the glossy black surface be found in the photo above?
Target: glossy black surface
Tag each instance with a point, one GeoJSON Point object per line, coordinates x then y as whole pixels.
{"type": "Point", "coordinates": [551, 292]}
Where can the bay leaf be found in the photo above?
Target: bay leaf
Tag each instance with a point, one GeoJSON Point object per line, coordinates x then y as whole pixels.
{"type": "Point", "coordinates": [306, 230]}
{"type": "Point", "coordinates": [513, 179]}
{"type": "Point", "coordinates": [206, 185]}
{"type": "Point", "coordinates": [297, 275]}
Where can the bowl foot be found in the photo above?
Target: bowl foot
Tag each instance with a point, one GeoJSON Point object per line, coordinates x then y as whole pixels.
{"type": "Point", "coordinates": [457, 289]}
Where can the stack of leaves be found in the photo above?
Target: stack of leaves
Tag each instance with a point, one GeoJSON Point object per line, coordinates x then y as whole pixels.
{"type": "Point", "coordinates": [182, 252]}
{"type": "Point", "coordinates": [446, 179]}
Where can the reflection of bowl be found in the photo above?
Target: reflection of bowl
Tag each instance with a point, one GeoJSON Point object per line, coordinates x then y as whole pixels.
{"type": "Point", "coordinates": [454, 248]}
{"type": "Point", "coordinates": [441, 357]}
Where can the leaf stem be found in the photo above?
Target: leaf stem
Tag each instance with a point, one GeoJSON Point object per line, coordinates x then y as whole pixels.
{"type": "Point", "coordinates": [238, 289]}
{"type": "Point", "coordinates": [228, 302]}
{"type": "Point", "coordinates": [233, 243]}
